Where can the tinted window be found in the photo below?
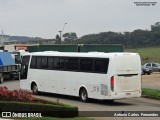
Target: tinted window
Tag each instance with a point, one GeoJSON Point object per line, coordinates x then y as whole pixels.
{"type": "Point", "coordinates": [86, 65]}
{"type": "Point", "coordinates": [38, 62]}
{"type": "Point", "coordinates": [63, 62]}
{"type": "Point", "coordinates": [72, 64]}
{"type": "Point", "coordinates": [33, 62]}
{"type": "Point", "coordinates": [50, 63]}
{"type": "Point", "coordinates": [44, 62]}
{"type": "Point", "coordinates": [96, 65]}
{"type": "Point", "coordinates": [56, 64]}
{"type": "Point", "coordinates": [101, 65]}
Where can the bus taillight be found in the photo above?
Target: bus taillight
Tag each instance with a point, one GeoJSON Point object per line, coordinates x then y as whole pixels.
{"type": "Point", "coordinates": [112, 83]}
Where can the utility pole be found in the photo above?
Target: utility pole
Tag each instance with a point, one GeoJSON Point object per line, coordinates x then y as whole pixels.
{"type": "Point", "coordinates": [60, 36]}
{"type": "Point", "coordinates": [61, 33]}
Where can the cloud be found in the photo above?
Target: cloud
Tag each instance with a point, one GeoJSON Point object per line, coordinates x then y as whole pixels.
{"type": "Point", "coordinates": [44, 18]}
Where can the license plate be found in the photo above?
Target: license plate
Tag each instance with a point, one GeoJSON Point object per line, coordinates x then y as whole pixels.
{"type": "Point", "coordinates": [128, 94]}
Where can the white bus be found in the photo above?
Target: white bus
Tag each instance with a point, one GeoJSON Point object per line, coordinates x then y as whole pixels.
{"type": "Point", "coordinates": [105, 76]}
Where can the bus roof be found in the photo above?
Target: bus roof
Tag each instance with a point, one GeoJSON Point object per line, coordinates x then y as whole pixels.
{"type": "Point", "coordinates": [75, 54]}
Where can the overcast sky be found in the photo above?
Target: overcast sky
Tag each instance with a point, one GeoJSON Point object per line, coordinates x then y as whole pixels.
{"type": "Point", "coordinates": [44, 18]}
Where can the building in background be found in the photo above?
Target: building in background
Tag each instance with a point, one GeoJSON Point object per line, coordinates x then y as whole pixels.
{"type": "Point", "coordinates": [40, 42]}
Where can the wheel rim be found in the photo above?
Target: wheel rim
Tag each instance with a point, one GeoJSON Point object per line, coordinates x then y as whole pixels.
{"type": "Point", "coordinates": [84, 95]}
{"type": "Point", "coordinates": [35, 89]}
{"type": "Point", "coordinates": [1, 80]}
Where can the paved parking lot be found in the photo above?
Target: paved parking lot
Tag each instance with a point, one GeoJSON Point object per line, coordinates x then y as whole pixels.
{"type": "Point", "coordinates": [132, 104]}
{"type": "Point", "coordinates": [151, 81]}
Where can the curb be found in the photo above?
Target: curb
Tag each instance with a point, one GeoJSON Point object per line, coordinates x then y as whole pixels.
{"type": "Point", "coordinates": [151, 97]}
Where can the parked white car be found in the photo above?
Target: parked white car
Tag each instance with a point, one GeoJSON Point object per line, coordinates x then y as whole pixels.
{"type": "Point", "coordinates": [154, 66]}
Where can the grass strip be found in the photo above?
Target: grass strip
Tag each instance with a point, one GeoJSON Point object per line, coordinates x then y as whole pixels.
{"type": "Point", "coordinates": [146, 92]}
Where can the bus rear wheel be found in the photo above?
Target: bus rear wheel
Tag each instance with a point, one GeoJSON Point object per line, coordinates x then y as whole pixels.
{"type": "Point", "coordinates": [83, 95]}
{"type": "Point", "coordinates": [35, 89]}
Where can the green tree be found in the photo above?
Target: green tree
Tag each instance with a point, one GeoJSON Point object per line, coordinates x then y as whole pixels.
{"type": "Point", "coordinates": [58, 39]}
{"type": "Point", "coordinates": [70, 37]}
{"type": "Point", "coordinates": [155, 34]}
{"type": "Point", "coordinates": [155, 27]}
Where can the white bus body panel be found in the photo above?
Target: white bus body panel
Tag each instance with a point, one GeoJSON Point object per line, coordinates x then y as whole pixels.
{"type": "Point", "coordinates": [97, 85]}
{"type": "Point", "coordinates": [127, 76]}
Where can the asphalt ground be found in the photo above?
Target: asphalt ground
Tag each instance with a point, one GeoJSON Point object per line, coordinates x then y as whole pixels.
{"type": "Point", "coordinates": [151, 81]}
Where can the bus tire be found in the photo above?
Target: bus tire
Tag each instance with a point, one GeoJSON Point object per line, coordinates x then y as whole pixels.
{"type": "Point", "coordinates": [35, 89]}
{"type": "Point", "coordinates": [109, 101]}
{"type": "Point", "coordinates": [83, 95]}
{"type": "Point", "coordinates": [1, 78]}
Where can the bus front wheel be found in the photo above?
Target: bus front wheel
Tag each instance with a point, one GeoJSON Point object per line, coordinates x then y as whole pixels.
{"type": "Point", "coordinates": [1, 78]}
{"type": "Point", "coordinates": [83, 95]}
{"type": "Point", "coordinates": [35, 89]}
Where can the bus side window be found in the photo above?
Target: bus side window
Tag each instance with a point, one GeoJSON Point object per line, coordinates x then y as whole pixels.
{"type": "Point", "coordinates": [33, 62]}
{"type": "Point", "coordinates": [72, 64]}
{"type": "Point", "coordinates": [56, 64]}
{"type": "Point", "coordinates": [39, 62]}
{"type": "Point", "coordinates": [63, 62]}
{"type": "Point", "coordinates": [86, 65]}
{"type": "Point", "coordinates": [101, 65]}
{"type": "Point", "coordinates": [50, 63]}
{"type": "Point", "coordinates": [44, 62]}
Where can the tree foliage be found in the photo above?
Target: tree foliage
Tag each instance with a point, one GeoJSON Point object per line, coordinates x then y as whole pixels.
{"type": "Point", "coordinates": [22, 38]}
{"type": "Point", "coordinates": [58, 39]}
{"type": "Point", "coordinates": [137, 38]}
{"type": "Point", "coordinates": [70, 37]}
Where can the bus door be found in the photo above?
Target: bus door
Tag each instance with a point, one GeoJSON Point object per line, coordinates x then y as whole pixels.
{"type": "Point", "coordinates": [24, 67]}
